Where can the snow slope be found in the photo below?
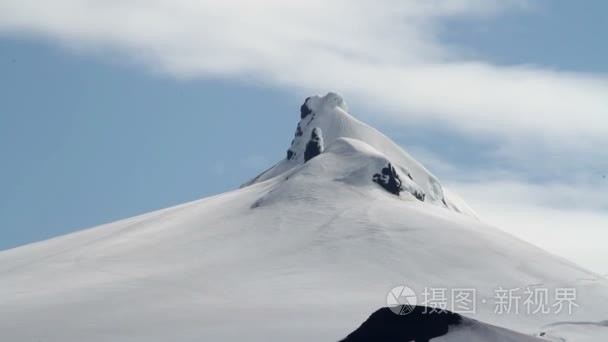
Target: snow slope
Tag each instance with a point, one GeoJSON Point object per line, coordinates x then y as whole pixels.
{"type": "Point", "coordinates": [576, 331]}
{"type": "Point", "coordinates": [305, 252]}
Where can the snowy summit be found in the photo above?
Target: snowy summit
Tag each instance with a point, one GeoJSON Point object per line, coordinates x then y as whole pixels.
{"type": "Point", "coordinates": [325, 123]}
{"type": "Point", "coordinates": [306, 251]}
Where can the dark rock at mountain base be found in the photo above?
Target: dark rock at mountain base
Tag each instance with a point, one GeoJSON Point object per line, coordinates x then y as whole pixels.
{"type": "Point", "coordinates": [314, 147]}
{"type": "Point", "coordinates": [389, 180]}
{"type": "Point", "coordinates": [420, 325]}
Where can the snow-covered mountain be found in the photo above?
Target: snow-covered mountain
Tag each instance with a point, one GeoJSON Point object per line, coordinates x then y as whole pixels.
{"type": "Point", "coordinates": [324, 119]}
{"type": "Point", "coordinates": [306, 251]}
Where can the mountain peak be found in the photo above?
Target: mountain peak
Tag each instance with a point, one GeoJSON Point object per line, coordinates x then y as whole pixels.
{"type": "Point", "coordinates": [325, 119]}
{"type": "Point", "coordinates": [315, 244]}
{"type": "Point", "coordinates": [317, 103]}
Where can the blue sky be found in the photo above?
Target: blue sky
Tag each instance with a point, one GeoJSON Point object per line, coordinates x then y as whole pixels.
{"type": "Point", "coordinates": [87, 142]}
{"type": "Point", "coordinates": [113, 117]}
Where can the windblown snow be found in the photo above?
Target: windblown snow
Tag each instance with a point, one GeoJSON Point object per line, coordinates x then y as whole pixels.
{"type": "Point", "coordinates": [306, 251]}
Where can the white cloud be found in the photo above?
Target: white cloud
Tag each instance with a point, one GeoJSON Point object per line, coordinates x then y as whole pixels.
{"type": "Point", "coordinates": [385, 52]}
{"type": "Point", "coordinates": [567, 216]}
{"type": "Point", "coordinates": [570, 220]}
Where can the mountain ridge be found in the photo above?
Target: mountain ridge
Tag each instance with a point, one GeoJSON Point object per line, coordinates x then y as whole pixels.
{"type": "Point", "coordinates": [326, 118]}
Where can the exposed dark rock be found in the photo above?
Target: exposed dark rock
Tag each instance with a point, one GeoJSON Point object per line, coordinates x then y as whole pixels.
{"type": "Point", "coordinates": [299, 131]}
{"type": "Point", "coordinates": [290, 154]}
{"type": "Point", "coordinates": [420, 325]}
{"type": "Point", "coordinates": [419, 195]}
{"type": "Point", "coordinates": [304, 110]}
{"type": "Point", "coordinates": [389, 180]}
{"type": "Point", "coordinates": [311, 118]}
{"type": "Point", "coordinates": [314, 147]}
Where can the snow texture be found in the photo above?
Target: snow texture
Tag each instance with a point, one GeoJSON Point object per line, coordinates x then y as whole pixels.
{"type": "Point", "coordinates": [575, 331]}
{"type": "Point", "coordinates": [304, 253]}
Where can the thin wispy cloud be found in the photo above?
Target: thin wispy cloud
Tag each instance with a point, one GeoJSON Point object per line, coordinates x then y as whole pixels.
{"type": "Point", "coordinates": [387, 54]}
{"type": "Point", "coordinates": [567, 216]}
{"type": "Point", "coordinates": [566, 219]}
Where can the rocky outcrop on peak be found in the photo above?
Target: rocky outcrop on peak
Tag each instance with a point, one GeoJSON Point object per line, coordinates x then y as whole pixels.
{"type": "Point", "coordinates": [389, 179]}
{"type": "Point", "coordinates": [305, 110]}
{"type": "Point", "coordinates": [324, 120]}
{"type": "Point", "coordinates": [314, 147]}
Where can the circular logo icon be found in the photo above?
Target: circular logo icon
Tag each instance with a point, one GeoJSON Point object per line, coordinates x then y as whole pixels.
{"type": "Point", "coordinates": [401, 300]}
